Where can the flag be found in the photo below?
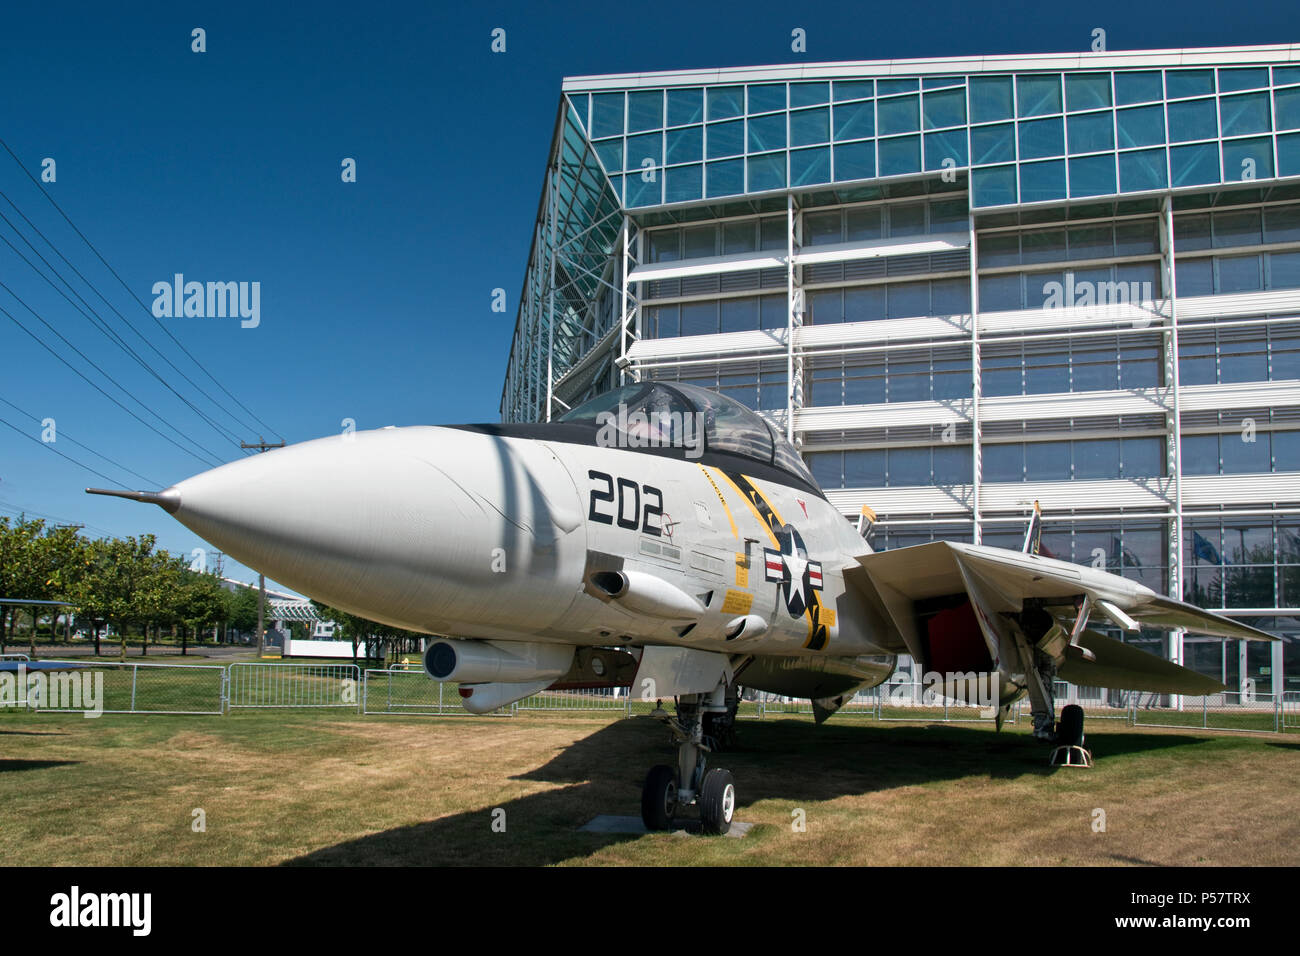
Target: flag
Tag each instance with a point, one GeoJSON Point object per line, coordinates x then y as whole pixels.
{"type": "Point", "coordinates": [1202, 550]}
{"type": "Point", "coordinates": [1124, 556]}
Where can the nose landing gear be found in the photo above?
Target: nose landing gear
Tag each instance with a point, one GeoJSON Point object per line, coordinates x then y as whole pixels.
{"type": "Point", "coordinates": [668, 789]}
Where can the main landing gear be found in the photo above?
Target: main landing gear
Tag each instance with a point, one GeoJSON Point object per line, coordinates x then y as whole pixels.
{"type": "Point", "coordinates": [668, 789]}
{"type": "Point", "coordinates": [1070, 751]}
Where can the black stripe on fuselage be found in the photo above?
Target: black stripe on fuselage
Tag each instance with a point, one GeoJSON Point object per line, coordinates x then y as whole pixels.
{"type": "Point", "coordinates": [573, 433]}
{"type": "Point", "coordinates": [818, 633]}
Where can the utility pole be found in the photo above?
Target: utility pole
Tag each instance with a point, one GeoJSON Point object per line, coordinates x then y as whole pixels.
{"type": "Point", "coordinates": [261, 446]}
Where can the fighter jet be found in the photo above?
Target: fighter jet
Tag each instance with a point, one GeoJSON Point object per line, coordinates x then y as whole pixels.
{"type": "Point", "coordinates": [667, 539]}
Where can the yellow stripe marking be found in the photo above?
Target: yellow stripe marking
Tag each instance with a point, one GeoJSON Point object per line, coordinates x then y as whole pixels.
{"type": "Point", "coordinates": [717, 491]}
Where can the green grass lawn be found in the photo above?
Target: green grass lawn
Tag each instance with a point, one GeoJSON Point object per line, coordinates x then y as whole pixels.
{"type": "Point", "coordinates": [331, 787]}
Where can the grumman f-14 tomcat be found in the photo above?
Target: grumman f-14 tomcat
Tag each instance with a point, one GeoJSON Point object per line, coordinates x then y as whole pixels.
{"type": "Point", "coordinates": [665, 538]}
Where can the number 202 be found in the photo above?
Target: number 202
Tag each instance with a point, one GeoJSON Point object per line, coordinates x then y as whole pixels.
{"type": "Point", "coordinates": [626, 505]}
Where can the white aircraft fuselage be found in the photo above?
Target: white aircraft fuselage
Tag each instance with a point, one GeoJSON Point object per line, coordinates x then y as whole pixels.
{"type": "Point", "coordinates": [465, 533]}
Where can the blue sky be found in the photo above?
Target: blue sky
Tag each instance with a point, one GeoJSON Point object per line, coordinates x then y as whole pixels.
{"type": "Point", "coordinates": [375, 295]}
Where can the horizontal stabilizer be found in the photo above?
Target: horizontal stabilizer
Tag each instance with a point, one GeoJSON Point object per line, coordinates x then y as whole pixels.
{"type": "Point", "coordinates": [1125, 667]}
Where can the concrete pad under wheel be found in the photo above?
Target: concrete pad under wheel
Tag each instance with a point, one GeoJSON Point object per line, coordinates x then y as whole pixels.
{"type": "Point", "coordinates": [607, 823]}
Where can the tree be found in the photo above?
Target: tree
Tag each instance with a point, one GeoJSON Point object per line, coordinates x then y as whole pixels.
{"type": "Point", "coordinates": [203, 602]}
{"type": "Point", "coordinates": [55, 568]}
{"type": "Point", "coordinates": [16, 536]}
{"type": "Point", "coordinates": [242, 613]}
{"type": "Point", "coordinates": [117, 585]}
{"type": "Point", "coordinates": [159, 592]}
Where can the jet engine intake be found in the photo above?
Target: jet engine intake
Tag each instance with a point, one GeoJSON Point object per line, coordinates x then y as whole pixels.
{"type": "Point", "coordinates": [643, 593]}
{"type": "Point", "coordinates": [747, 626]}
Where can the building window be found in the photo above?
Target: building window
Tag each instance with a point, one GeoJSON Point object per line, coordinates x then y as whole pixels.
{"type": "Point", "coordinates": [1085, 459]}
{"type": "Point", "coordinates": [899, 376]}
{"type": "Point", "coordinates": [1101, 286]}
{"type": "Point", "coordinates": [942, 465]}
{"type": "Point", "coordinates": [1247, 452]}
{"type": "Point", "coordinates": [1082, 365]}
{"type": "Point", "coordinates": [858, 223]}
{"type": "Point", "coordinates": [1133, 549]}
{"type": "Point", "coordinates": [1242, 562]}
{"type": "Point", "coordinates": [896, 300]}
{"type": "Point", "coordinates": [711, 316]}
{"type": "Point", "coordinates": [1252, 353]}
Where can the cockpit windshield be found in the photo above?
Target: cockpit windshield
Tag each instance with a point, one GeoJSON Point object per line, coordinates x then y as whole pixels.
{"type": "Point", "coordinates": [676, 415]}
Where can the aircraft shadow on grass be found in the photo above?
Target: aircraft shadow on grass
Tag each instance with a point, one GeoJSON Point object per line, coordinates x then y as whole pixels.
{"type": "Point", "coordinates": [783, 759]}
{"type": "Point", "coordinates": [12, 766]}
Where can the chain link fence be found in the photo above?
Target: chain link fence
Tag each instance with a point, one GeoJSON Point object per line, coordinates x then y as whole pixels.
{"type": "Point", "coordinates": [1245, 712]}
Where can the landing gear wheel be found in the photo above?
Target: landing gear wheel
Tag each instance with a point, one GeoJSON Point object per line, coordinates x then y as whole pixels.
{"type": "Point", "coordinates": [1069, 729]}
{"type": "Point", "coordinates": [717, 801]}
{"type": "Point", "coordinates": [659, 798]}
{"type": "Point", "coordinates": [1069, 750]}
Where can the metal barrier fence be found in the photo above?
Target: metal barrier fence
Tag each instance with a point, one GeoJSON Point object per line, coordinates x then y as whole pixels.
{"type": "Point", "coordinates": [1230, 710]}
{"type": "Point", "coordinates": [611, 700]}
{"type": "Point", "coordinates": [129, 688]}
{"type": "Point", "coordinates": [158, 688]}
{"type": "Point", "coordinates": [293, 685]}
{"type": "Point", "coordinates": [400, 690]}
{"type": "Point", "coordinates": [1291, 710]}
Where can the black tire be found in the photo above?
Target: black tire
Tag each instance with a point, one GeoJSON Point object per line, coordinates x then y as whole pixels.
{"type": "Point", "coordinates": [1069, 729]}
{"type": "Point", "coordinates": [717, 801]}
{"type": "Point", "coordinates": [659, 798]}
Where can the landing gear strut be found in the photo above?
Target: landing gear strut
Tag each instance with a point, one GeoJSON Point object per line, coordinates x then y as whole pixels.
{"type": "Point", "coordinates": [667, 789]}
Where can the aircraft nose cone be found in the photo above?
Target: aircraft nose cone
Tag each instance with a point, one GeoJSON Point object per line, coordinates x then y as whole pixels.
{"type": "Point", "coordinates": [408, 526]}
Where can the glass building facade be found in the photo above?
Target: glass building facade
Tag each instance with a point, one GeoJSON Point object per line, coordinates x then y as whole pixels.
{"type": "Point", "coordinates": [960, 286]}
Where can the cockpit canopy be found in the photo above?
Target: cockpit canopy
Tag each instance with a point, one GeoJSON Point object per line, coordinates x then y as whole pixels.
{"type": "Point", "coordinates": [673, 414]}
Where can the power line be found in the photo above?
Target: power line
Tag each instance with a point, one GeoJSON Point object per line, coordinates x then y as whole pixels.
{"type": "Point", "coordinates": [79, 464]}
{"type": "Point", "coordinates": [122, 283]}
{"type": "Point", "coordinates": [101, 325]}
{"type": "Point", "coordinates": [20, 511]}
{"type": "Point", "coordinates": [67, 437]}
{"type": "Point", "coordinates": [95, 386]}
{"type": "Point", "coordinates": [89, 361]}
{"type": "Point", "coordinates": [124, 319]}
